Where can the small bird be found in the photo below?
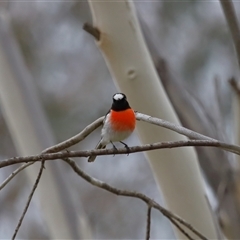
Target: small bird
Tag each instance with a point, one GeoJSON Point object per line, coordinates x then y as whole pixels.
{"type": "Point", "coordinates": [118, 124]}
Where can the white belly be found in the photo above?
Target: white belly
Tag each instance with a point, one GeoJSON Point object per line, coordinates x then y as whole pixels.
{"type": "Point", "coordinates": [108, 135]}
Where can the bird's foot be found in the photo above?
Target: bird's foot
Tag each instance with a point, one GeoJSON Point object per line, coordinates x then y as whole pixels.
{"type": "Point", "coordinates": [126, 146]}
{"type": "Point", "coordinates": [115, 148]}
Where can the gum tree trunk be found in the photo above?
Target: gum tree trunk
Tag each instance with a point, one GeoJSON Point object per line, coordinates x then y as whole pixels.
{"type": "Point", "coordinates": [176, 171]}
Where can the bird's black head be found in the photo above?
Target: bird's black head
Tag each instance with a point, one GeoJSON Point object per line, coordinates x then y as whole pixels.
{"type": "Point", "coordinates": [120, 102]}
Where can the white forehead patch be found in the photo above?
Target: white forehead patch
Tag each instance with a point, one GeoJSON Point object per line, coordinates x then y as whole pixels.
{"type": "Point", "coordinates": [118, 96]}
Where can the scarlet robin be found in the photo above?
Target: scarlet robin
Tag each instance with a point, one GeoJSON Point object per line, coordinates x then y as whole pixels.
{"type": "Point", "coordinates": [118, 124]}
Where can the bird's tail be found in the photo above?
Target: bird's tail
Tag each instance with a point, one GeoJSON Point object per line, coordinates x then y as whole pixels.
{"type": "Point", "coordinates": [99, 146]}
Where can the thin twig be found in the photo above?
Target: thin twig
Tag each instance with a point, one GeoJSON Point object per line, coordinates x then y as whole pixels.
{"type": "Point", "coordinates": [176, 128]}
{"type": "Point", "coordinates": [56, 148]}
{"type": "Point", "coordinates": [148, 222]}
{"type": "Point", "coordinates": [77, 138]}
{"type": "Point", "coordinates": [171, 126]}
{"type": "Point", "coordinates": [13, 174]}
{"type": "Point", "coordinates": [187, 225]}
{"type": "Point", "coordinates": [28, 201]}
{"type": "Point", "coordinates": [70, 142]}
{"type": "Point", "coordinates": [132, 194]}
{"type": "Point", "coordinates": [174, 222]}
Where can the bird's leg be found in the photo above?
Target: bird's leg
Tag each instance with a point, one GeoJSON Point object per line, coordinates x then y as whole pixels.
{"type": "Point", "coordinates": [126, 146]}
{"type": "Point", "coordinates": [115, 148]}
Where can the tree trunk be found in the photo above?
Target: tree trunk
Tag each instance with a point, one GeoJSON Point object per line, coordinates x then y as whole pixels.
{"type": "Point", "coordinates": [176, 171]}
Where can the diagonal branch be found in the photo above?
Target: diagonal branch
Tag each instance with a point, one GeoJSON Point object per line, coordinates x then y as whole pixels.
{"type": "Point", "coordinates": [148, 223]}
{"type": "Point", "coordinates": [77, 138]}
{"type": "Point", "coordinates": [178, 226]}
{"type": "Point", "coordinates": [140, 117]}
{"type": "Point", "coordinates": [91, 127]}
{"type": "Point", "coordinates": [132, 194]}
{"type": "Point", "coordinates": [13, 174]}
{"type": "Point", "coordinates": [53, 154]}
{"type": "Point", "coordinates": [28, 201]}
{"type": "Point", "coordinates": [58, 147]}
{"type": "Point", "coordinates": [171, 126]}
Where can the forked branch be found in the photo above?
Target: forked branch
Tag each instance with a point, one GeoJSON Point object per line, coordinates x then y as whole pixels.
{"type": "Point", "coordinates": [60, 151]}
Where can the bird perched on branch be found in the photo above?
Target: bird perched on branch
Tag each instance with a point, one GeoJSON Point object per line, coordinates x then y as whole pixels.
{"type": "Point", "coordinates": [118, 124]}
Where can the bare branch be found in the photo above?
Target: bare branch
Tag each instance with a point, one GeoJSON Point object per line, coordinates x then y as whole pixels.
{"type": "Point", "coordinates": [132, 194]}
{"type": "Point", "coordinates": [176, 128]}
{"type": "Point", "coordinates": [91, 127]}
{"type": "Point", "coordinates": [68, 143]}
{"type": "Point", "coordinates": [74, 140]}
{"type": "Point", "coordinates": [14, 173]}
{"type": "Point", "coordinates": [177, 225]}
{"type": "Point", "coordinates": [77, 138]}
{"type": "Point", "coordinates": [29, 200]}
{"type": "Point", "coordinates": [100, 152]}
{"type": "Point", "coordinates": [52, 154]}
{"type": "Point", "coordinates": [141, 117]}
{"type": "Point", "coordinates": [148, 222]}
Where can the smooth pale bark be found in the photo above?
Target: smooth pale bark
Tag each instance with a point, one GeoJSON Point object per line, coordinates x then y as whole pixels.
{"type": "Point", "coordinates": [31, 134]}
{"type": "Point", "coordinates": [176, 171]}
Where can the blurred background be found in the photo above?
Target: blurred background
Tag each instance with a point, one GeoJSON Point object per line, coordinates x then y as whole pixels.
{"type": "Point", "coordinates": [193, 52]}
